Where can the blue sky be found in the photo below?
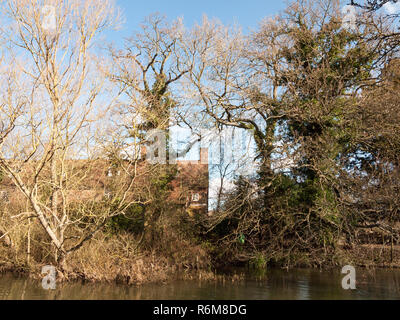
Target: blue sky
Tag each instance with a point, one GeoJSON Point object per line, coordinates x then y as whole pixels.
{"type": "Point", "coordinates": [245, 13]}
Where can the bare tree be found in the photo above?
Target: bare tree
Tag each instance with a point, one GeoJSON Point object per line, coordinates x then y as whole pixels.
{"type": "Point", "coordinates": [371, 4]}
{"type": "Point", "coordinates": [146, 71]}
{"type": "Point", "coordinates": [50, 105]}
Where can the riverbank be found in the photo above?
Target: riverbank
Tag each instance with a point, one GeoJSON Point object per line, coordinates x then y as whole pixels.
{"type": "Point", "coordinates": [171, 251]}
{"type": "Point", "coordinates": [96, 263]}
{"type": "Point", "coordinates": [117, 259]}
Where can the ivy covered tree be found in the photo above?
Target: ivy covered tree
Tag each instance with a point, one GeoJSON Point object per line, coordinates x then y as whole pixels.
{"type": "Point", "coordinates": [301, 98]}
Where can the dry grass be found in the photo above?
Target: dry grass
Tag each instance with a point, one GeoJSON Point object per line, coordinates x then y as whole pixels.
{"type": "Point", "coordinates": [118, 259]}
{"type": "Point", "coordinates": [107, 258]}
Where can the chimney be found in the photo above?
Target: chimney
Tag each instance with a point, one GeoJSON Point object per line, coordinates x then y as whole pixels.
{"type": "Point", "coordinates": [203, 156]}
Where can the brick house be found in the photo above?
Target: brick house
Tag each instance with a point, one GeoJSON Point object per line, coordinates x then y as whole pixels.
{"type": "Point", "coordinates": [189, 189]}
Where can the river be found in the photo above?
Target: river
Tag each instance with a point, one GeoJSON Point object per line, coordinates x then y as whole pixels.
{"type": "Point", "coordinates": [276, 285]}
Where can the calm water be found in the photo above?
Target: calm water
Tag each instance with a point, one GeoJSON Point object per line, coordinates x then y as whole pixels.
{"type": "Point", "coordinates": [292, 285]}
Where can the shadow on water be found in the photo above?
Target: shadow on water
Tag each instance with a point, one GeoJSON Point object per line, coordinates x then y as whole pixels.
{"type": "Point", "coordinates": [277, 285]}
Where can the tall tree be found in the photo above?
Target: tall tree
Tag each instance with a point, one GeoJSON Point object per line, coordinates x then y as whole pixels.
{"type": "Point", "coordinates": [49, 110]}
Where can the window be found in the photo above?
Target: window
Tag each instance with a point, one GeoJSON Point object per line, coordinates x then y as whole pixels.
{"type": "Point", "coordinates": [195, 197]}
{"type": "Point", "coordinates": [4, 196]}
{"type": "Point", "coordinates": [109, 173]}
{"type": "Point", "coordinates": [108, 195]}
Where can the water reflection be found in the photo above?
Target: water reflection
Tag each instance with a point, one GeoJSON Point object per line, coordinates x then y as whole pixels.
{"type": "Point", "coordinates": [278, 285]}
